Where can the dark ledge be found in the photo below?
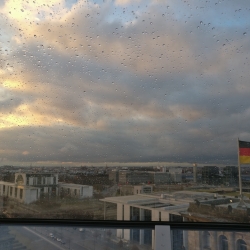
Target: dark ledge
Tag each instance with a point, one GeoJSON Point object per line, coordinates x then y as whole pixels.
{"type": "Point", "coordinates": [127, 224]}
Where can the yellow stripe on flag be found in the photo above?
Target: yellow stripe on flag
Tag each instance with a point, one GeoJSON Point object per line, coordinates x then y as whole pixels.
{"type": "Point", "coordinates": [244, 159]}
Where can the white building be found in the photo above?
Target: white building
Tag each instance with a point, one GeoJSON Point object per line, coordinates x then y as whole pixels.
{"type": "Point", "coordinates": [143, 189]}
{"type": "Point", "coordinates": [154, 207]}
{"type": "Point", "coordinates": [76, 190]}
{"type": "Point", "coordinates": [24, 194]}
{"type": "Point", "coordinates": [176, 174]}
{"type": "Point", "coordinates": [29, 187]}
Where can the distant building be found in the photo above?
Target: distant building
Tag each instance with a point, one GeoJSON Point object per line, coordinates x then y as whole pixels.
{"type": "Point", "coordinates": [133, 177]}
{"type": "Point", "coordinates": [29, 187]}
{"type": "Point", "coordinates": [210, 175]}
{"type": "Point", "coordinates": [143, 189]}
{"type": "Point", "coordinates": [114, 176]}
{"type": "Point", "coordinates": [149, 177]}
{"type": "Point", "coordinates": [126, 189]}
{"type": "Point", "coordinates": [230, 176]}
{"type": "Point", "coordinates": [75, 190]}
{"type": "Point", "coordinates": [195, 172]}
{"type": "Point", "coordinates": [138, 189]}
{"type": "Point", "coordinates": [160, 178]}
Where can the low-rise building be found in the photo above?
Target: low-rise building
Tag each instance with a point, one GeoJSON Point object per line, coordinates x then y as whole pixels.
{"type": "Point", "coordinates": [230, 176]}
{"type": "Point", "coordinates": [24, 194]}
{"type": "Point", "coordinates": [159, 178]}
{"type": "Point", "coordinates": [75, 190]}
{"type": "Point", "coordinates": [114, 176]}
{"type": "Point", "coordinates": [153, 207]}
{"type": "Point", "coordinates": [143, 189]}
{"type": "Point", "coordinates": [29, 187]}
{"type": "Point", "coordinates": [134, 177]}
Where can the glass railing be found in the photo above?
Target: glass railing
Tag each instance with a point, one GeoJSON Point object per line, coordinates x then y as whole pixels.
{"type": "Point", "coordinates": [141, 236]}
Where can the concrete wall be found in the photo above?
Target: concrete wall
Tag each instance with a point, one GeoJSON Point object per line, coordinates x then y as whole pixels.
{"type": "Point", "coordinates": [126, 212]}
{"type": "Point", "coordinates": [164, 216]}
{"type": "Point", "coordinates": [31, 195]}
{"type": "Point", "coordinates": [20, 193]}
{"type": "Point", "coordinates": [87, 191]}
{"type": "Point", "coordinates": [155, 215]}
{"type": "Point", "coordinates": [120, 212]}
{"type": "Point", "coordinates": [143, 189]}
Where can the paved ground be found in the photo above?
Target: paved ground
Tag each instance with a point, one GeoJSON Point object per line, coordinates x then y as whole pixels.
{"type": "Point", "coordinates": [38, 238]}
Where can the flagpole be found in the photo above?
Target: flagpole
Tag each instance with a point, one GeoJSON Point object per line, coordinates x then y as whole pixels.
{"type": "Point", "coordinates": [240, 183]}
{"type": "Point", "coordinates": [241, 203]}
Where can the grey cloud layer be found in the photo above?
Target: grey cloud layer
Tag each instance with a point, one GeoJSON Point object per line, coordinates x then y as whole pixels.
{"type": "Point", "coordinates": [167, 87]}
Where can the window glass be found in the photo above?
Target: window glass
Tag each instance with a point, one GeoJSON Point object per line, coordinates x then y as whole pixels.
{"type": "Point", "coordinates": [125, 110]}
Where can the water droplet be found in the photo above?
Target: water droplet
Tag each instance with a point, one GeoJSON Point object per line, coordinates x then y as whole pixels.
{"type": "Point", "coordinates": [49, 30]}
{"type": "Point", "coordinates": [244, 33]}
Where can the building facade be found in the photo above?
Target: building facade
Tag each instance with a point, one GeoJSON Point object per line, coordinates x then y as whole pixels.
{"type": "Point", "coordinates": [231, 176]}
{"type": "Point", "coordinates": [75, 190]}
{"type": "Point", "coordinates": [210, 175]}
{"type": "Point", "coordinates": [217, 240]}
{"type": "Point", "coordinates": [29, 187]}
{"type": "Point", "coordinates": [152, 207]}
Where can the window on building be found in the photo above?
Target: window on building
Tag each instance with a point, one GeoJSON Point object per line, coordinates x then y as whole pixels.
{"type": "Point", "coordinates": [39, 180]}
{"type": "Point", "coordinates": [147, 214]}
{"type": "Point", "coordinates": [15, 192]}
{"type": "Point", "coordinates": [223, 242]}
{"type": "Point", "coordinates": [11, 191]}
{"type": "Point", "coordinates": [134, 213]}
{"type": "Point", "coordinates": [241, 245]}
{"type": "Point", "coordinates": [206, 240]}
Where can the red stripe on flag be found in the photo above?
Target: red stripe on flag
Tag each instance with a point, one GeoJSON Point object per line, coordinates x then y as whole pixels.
{"type": "Point", "coordinates": [245, 151]}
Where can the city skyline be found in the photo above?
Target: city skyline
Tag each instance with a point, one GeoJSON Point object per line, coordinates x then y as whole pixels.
{"type": "Point", "coordinates": [133, 82]}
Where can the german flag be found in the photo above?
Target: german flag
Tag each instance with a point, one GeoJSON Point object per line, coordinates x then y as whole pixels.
{"type": "Point", "coordinates": [244, 152]}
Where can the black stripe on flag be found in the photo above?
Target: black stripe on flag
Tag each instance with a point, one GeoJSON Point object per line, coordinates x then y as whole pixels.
{"type": "Point", "coordinates": [244, 144]}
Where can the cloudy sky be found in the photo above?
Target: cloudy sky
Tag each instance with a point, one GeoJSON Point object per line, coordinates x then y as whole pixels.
{"type": "Point", "coordinates": [128, 81]}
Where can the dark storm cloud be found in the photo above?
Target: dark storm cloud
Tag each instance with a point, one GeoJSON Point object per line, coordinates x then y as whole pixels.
{"type": "Point", "coordinates": [170, 86]}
